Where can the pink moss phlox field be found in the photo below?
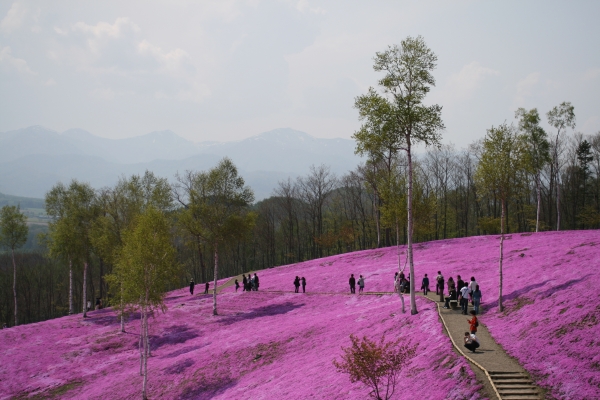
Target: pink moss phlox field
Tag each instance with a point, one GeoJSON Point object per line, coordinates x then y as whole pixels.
{"type": "Point", "coordinates": [273, 345]}
{"type": "Point", "coordinates": [263, 345]}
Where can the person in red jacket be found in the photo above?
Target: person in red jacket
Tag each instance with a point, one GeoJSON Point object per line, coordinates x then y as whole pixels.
{"type": "Point", "coordinates": [473, 322]}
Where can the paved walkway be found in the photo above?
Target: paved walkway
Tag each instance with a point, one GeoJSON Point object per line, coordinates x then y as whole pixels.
{"type": "Point", "coordinates": [500, 374]}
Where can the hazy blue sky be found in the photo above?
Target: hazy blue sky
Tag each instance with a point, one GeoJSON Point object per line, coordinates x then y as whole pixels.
{"type": "Point", "coordinates": [225, 70]}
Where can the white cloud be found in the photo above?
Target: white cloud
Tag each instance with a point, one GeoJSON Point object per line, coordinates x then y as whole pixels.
{"type": "Point", "coordinates": [170, 60]}
{"type": "Point", "coordinates": [50, 82]}
{"type": "Point", "coordinates": [14, 17]}
{"type": "Point", "coordinates": [591, 74]}
{"type": "Point", "coordinates": [303, 6]}
{"type": "Point", "coordinates": [525, 88]}
{"type": "Point", "coordinates": [465, 83]}
{"type": "Point", "coordinates": [6, 58]}
{"type": "Point", "coordinates": [61, 32]}
{"type": "Point", "coordinates": [104, 29]}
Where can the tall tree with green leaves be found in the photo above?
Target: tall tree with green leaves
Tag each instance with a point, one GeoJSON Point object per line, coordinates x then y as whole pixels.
{"type": "Point", "coordinates": [560, 117]}
{"type": "Point", "coordinates": [219, 200]}
{"type": "Point", "coordinates": [13, 234]}
{"type": "Point", "coordinates": [400, 113]}
{"type": "Point", "coordinates": [74, 209]}
{"type": "Point", "coordinates": [498, 174]}
{"type": "Point", "coordinates": [537, 150]}
{"type": "Point", "coordinates": [119, 207]}
{"type": "Point", "coordinates": [145, 266]}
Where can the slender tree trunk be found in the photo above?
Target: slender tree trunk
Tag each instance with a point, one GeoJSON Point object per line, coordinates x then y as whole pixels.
{"type": "Point", "coordinates": [70, 287]}
{"type": "Point", "coordinates": [557, 199]}
{"type": "Point", "coordinates": [398, 245]}
{"type": "Point", "coordinates": [409, 248]}
{"type": "Point", "coordinates": [122, 311]}
{"type": "Point", "coordinates": [539, 201]}
{"type": "Point", "coordinates": [202, 268]}
{"type": "Point", "coordinates": [145, 334]}
{"type": "Point", "coordinates": [141, 342]}
{"type": "Point", "coordinates": [216, 277]}
{"type": "Point", "coordinates": [15, 285]}
{"type": "Point", "coordinates": [500, 307]}
{"type": "Point", "coordinates": [84, 294]}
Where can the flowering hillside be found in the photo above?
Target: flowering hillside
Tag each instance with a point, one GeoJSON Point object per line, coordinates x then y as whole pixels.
{"type": "Point", "coordinates": [273, 345]}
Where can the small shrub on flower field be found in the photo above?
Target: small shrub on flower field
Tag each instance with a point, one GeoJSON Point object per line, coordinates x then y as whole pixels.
{"type": "Point", "coordinates": [375, 364]}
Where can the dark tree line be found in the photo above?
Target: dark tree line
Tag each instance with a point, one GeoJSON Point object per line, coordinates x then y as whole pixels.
{"type": "Point", "coordinates": [316, 215]}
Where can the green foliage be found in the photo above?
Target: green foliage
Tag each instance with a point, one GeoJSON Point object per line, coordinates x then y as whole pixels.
{"type": "Point", "coordinates": [562, 116]}
{"type": "Point", "coordinates": [536, 145]}
{"type": "Point", "coordinates": [13, 229]}
{"type": "Point", "coordinates": [146, 265]}
{"type": "Point", "coordinates": [375, 364]}
{"type": "Point", "coordinates": [501, 163]}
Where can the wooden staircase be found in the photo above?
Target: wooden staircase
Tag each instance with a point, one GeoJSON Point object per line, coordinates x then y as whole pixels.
{"type": "Point", "coordinates": [514, 386]}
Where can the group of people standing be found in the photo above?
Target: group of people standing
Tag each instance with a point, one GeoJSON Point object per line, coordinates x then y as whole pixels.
{"type": "Point", "coordinates": [464, 292]}
{"type": "Point", "coordinates": [193, 284]}
{"type": "Point", "coordinates": [352, 282]}
{"type": "Point", "coordinates": [250, 283]}
{"type": "Point", "coordinates": [300, 281]}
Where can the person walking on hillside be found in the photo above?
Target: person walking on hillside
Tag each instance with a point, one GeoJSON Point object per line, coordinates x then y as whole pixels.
{"type": "Point", "coordinates": [437, 282]}
{"type": "Point", "coordinates": [237, 285]}
{"type": "Point", "coordinates": [255, 282]}
{"type": "Point", "coordinates": [352, 282]}
{"type": "Point", "coordinates": [303, 284]}
{"type": "Point", "coordinates": [464, 299]}
{"type": "Point", "coordinates": [192, 284]}
{"type": "Point", "coordinates": [473, 323]}
{"type": "Point", "coordinates": [472, 287]}
{"type": "Point", "coordinates": [244, 283]}
{"type": "Point", "coordinates": [476, 299]}
{"type": "Point", "coordinates": [206, 286]}
{"type": "Point", "coordinates": [361, 284]}
{"type": "Point", "coordinates": [471, 341]}
{"type": "Point", "coordinates": [425, 285]}
{"type": "Point", "coordinates": [440, 281]}
{"type": "Point", "coordinates": [451, 284]}
{"type": "Point", "coordinates": [296, 284]}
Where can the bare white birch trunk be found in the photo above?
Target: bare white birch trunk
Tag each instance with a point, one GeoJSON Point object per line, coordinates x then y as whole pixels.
{"type": "Point", "coordinates": [215, 283]}
{"type": "Point", "coordinates": [377, 220]}
{"type": "Point", "coordinates": [15, 285]}
{"type": "Point", "coordinates": [145, 353]}
{"type": "Point", "coordinates": [409, 249]}
{"type": "Point", "coordinates": [557, 198]}
{"type": "Point", "coordinates": [500, 307]}
{"type": "Point", "coordinates": [539, 202]}
{"type": "Point", "coordinates": [70, 287]}
{"type": "Point", "coordinates": [398, 246]}
{"type": "Point", "coordinates": [122, 311]}
{"type": "Point", "coordinates": [141, 342]}
{"type": "Point", "coordinates": [85, 267]}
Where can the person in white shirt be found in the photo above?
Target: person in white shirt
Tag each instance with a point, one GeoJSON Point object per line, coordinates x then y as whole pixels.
{"type": "Point", "coordinates": [472, 287]}
{"type": "Point", "coordinates": [464, 299]}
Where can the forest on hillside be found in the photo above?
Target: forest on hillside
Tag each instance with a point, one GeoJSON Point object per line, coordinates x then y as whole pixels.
{"type": "Point", "coordinates": [321, 214]}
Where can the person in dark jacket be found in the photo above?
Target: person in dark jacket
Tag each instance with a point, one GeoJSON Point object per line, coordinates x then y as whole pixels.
{"type": "Point", "coordinates": [237, 285]}
{"type": "Point", "coordinates": [303, 284]}
{"type": "Point", "coordinates": [206, 288]}
{"type": "Point", "coordinates": [452, 297]}
{"type": "Point", "coordinates": [296, 284]}
{"type": "Point", "coordinates": [352, 282]}
{"type": "Point", "coordinates": [459, 283]}
{"type": "Point", "coordinates": [425, 285]}
{"type": "Point", "coordinates": [192, 284]}
{"type": "Point", "coordinates": [255, 282]}
{"type": "Point", "coordinates": [244, 283]}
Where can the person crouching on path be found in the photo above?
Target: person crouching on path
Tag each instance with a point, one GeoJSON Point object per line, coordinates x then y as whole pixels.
{"type": "Point", "coordinates": [425, 285]}
{"type": "Point", "coordinates": [352, 282]}
{"type": "Point", "coordinates": [473, 323]}
{"type": "Point", "coordinates": [361, 284]}
{"type": "Point", "coordinates": [192, 286]}
{"type": "Point", "coordinates": [471, 342]}
{"type": "Point", "coordinates": [303, 284]}
{"type": "Point", "coordinates": [206, 286]}
{"type": "Point", "coordinates": [296, 284]}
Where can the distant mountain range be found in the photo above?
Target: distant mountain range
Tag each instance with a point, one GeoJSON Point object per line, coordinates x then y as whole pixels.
{"type": "Point", "coordinates": [33, 159]}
